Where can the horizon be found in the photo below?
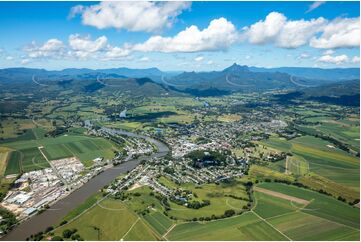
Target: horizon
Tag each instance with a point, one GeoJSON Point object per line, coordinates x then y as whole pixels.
{"type": "Point", "coordinates": [168, 71]}
{"type": "Point", "coordinates": [187, 36]}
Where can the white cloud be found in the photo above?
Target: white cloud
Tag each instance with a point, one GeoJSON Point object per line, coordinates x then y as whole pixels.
{"type": "Point", "coordinates": [284, 33]}
{"type": "Point", "coordinates": [210, 62]}
{"type": "Point", "coordinates": [328, 52]}
{"type": "Point", "coordinates": [219, 35]}
{"type": "Point", "coordinates": [304, 56]}
{"type": "Point", "coordinates": [51, 48]}
{"type": "Point", "coordinates": [199, 58]}
{"type": "Point", "coordinates": [339, 59]}
{"type": "Point", "coordinates": [315, 5]}
{"type": "Point", "coordinates": [25, 61]}
{"type": "Point", "coordinates": [114, 53]}
{"type": "Point", "coordinates": [355, 59]}
{"type": "Point", "coordinates": [83, 46]}
{"type": "Point", "coordinates": [339, 33]}
{"type": "Point", "coordinates": [9, 58]}
{"type": "Point", "coordinates": [144, 59]}
{"type": "Point", "coordinates": [248, 57]}
{"type": "Point", "coordinates": [133, 16]}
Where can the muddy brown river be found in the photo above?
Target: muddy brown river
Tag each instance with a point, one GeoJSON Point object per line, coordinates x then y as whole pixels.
{"type": "Point", "coordinates": [58, 210]}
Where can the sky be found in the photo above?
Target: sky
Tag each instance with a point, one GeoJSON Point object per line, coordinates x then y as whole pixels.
{"type": "Point", "coordinates": [174, 36]}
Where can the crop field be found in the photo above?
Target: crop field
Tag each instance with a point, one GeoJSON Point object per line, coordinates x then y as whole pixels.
{"type": "Point", "coordinates": [33, 160]}
{"type": "Point", "coordinates": [244, 227]}
{"type": "Point", "coordinates": [140, 232]}
{"type": "Point", "coordinates": [269, 206]}
{"type": "Point", "coordinates": [158, 221]}
{"type": "Point", "coordinates": [303, 226]}
{"type": "Point", "coordinates": [322, 157]}
{"type": "Point", "coordinates": [4, 155]}
{"type": "Point", "coordinates": [27, 157]}
{"type": "Point", "coordinates": [13, 164]}
{"type": "Point", "coordinates": [321, 205]}
{"type": "Point", "coordinates": [297, 165]}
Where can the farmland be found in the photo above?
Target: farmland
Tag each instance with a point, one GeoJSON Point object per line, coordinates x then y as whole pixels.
{"type": "Point", "coordinates": [26, 156]}
{"type": "Point", "coordinates": [320, 157]}
{"type": "Point", "coordinates": [109, 211]}
{"type": "Point", "coordinates": [282, 220]}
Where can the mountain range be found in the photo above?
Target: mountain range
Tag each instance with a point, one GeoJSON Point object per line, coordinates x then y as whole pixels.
{"type": "Point", "coordinates": [235, 78]}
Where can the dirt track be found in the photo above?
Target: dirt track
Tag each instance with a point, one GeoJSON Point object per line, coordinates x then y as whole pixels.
{"type": "Point", "coordinates": [281, 195]}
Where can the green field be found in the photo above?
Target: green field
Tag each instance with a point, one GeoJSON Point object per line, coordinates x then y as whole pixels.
{"type": "Point", "coordinates": [116, 219]}
{"type": "Point", "coordinates": [219, 197]}
{"type": "Point", "coordinates": [320, 157]}
{"type": "Point", "coordinates": [322, 205]}
{"type": "Point", "coordinates": [245, 227]}
{"type": "Point", "coordinates": [13, 164]}
{"type": "Point", "coordinates": [27, 156]}
{"type": "Point", "coordinates": [302, 226]}
{"type": "Point", "coordinates": [158, 221]}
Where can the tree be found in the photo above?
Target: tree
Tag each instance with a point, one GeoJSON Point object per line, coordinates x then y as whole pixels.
{"type": "Point", "coordinates": [229, 213]}
{"type": "Point", "coordinates": [57, 238]}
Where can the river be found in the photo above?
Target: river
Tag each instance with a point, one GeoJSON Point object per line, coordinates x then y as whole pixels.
{"type": "Point", "coordinates": [58, 210]}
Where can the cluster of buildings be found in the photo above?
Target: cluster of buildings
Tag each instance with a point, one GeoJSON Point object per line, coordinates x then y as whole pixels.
{"type": "Point", "coordinates": [69, 170]}
{"type": "Point", "coordinates": [33, 191]}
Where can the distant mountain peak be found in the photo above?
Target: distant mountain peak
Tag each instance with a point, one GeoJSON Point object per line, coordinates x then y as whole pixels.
{"type": "Point", "coordinates": [236, 68]}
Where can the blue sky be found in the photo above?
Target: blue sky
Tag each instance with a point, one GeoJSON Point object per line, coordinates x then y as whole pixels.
{"type": "Point", "coordinates": [188, 36]}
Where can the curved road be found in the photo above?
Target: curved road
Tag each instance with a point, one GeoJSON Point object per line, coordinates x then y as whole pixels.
{"type": "Point", "coordinates": [58, 210]}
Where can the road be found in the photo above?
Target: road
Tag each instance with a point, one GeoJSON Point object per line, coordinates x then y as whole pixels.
{"type": "Point", "coordinates": [58, 210]}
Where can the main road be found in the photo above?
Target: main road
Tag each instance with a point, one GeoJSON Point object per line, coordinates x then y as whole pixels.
{"type": "Point", "coordinates": [58, 210]}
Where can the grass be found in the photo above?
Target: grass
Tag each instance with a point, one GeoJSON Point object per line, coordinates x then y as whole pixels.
{"type": "Point", "coordinates": [229, 118]}
{"type": "Point", "coordinates": [167, 182]}
{"type": "Point", "coordinates": [219, 197]}
{"type": "Point", "coordinates": [82, 207]}
{"type": "Point", "coordinates": [110, 228]}
{"type": "Point", "coordinates": [141, 232]}
{"type": "Point", "coordinates": [317, 182]}
{"type": "Point", "coordinates": [262, 172]}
